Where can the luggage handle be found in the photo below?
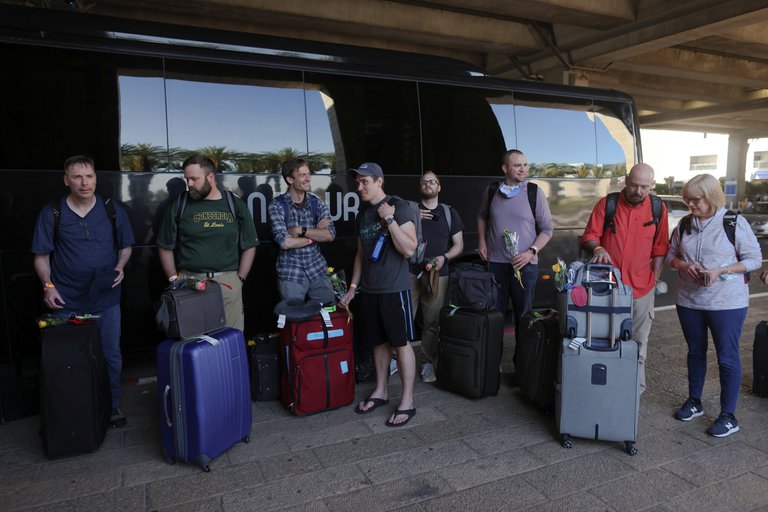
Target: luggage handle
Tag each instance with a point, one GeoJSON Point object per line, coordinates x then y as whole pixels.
{"type": "Point", "coordinates": [611, 316]}
{"type": "Point", "coordinates": [165, 406]}
{"type": "Point", "coordinates": [601, 266]}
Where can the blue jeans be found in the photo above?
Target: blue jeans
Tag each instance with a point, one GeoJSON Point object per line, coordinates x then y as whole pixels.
{"type": "Point", "coordinates": [726, 330]}
{"type": "Point", "coordinates": [509, 287]}
{"type": "Point", "coordinates": [109, 332]}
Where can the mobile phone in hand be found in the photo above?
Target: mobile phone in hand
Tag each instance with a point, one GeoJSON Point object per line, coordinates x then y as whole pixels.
{"type": "Point", "coordinates": [706, 279]}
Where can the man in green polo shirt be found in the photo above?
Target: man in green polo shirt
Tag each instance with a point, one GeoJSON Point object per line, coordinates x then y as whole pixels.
{"type": "Point", "coordinates": [214, 237]}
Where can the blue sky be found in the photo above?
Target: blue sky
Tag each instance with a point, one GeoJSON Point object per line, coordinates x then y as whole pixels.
{"type": "Point", "coordinates": [261, 119]}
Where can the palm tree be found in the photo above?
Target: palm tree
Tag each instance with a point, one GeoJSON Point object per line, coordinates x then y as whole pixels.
{"type": "Point", "coordinates": [274, 159]}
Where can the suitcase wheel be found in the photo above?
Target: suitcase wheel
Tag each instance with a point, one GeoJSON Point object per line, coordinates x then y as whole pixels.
{"type": "Point", "coordinates": [206, 468]}
{"type": "Point", "coordinates": [567, 441]}
{"type": "Point", "coordinates": [630, 447]}
{"type": "Point", "coordinates": [247, 439]}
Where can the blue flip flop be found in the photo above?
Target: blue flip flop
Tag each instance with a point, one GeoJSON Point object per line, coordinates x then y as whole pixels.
{"type": "Point", "coordinates": [407, 412]}
{"type": "Point", "coordinates": [377, 402]}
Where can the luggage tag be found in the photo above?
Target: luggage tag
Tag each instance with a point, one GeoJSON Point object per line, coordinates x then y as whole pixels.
{"type": "Point", "coordinates": [280, 321]}
{"type": "Point", "coordinates": [209, 339]}
{"type": "Point", "coordinates": [326, 318]}
{"type": "Point", "coordinates": [576, 343]}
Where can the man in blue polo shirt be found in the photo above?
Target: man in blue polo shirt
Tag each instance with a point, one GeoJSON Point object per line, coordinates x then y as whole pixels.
{"type": "Point", "coordinates": [90, 244]}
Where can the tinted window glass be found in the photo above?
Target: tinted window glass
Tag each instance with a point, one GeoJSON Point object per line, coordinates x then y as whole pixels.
{"type": "Point", "coordinates": [557, 135]}
{"type": "Point", "coordinates": [246, 119]}
{"type": "Point", "coordinates": [60, 103]}
{"type": "Point", "coordinates": [461, 132]}
{"type": "Point", "coordinates": [143, 135]}
{"type": "Point", "coordinates": [355, 120]}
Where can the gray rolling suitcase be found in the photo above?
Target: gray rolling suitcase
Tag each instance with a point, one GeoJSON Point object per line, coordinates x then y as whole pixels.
{"type": "Point", "coordinates": [597, 395]}
{"type": "Point", "coordinates": [611, 300]}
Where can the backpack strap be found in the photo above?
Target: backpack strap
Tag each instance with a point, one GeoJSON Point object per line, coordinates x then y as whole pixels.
{"type": "Point", "coordinates": [447, 214]}
{"type": "Point", "coordinates": [729, 225]}
{"type": "Point", "coordinates": [238, 216]}
{"type": "Point", "coordinates": [181, 205]}
{"type": "Point", "coordinates": [656, 207]}
{"type": "Point", "coordinates": [611, 203]}
{"type": "Point", "coordinates": [492, 189]}
{"type": "Point", "coordinates": [109, 208]}
{"type": "Point", "coordinates": [533, 195]}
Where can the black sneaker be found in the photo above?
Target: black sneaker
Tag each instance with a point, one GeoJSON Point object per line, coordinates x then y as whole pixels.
{"type": "Point", "coordinates": [690, 409]}
{"type": "Point", "coordinates": [724, 425]}
{"type": "Point", "coordinates": [117, 418]}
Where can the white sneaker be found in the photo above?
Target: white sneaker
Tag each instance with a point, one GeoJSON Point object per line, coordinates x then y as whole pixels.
{"type": "Point", "coordinates": [428, 372]}
{"type": "Point", "coordinates": [392, 366]}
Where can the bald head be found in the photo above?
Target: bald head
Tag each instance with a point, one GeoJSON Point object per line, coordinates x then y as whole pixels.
{"type": "Point", "coordinates": [638, 183]}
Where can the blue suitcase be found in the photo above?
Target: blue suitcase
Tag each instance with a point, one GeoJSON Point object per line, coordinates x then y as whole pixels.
{"type": "Point", "coordinates": [205, 397]}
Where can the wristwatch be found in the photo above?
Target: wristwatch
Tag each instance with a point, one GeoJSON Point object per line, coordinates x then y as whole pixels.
{"type": "Point", "coordinates": [390, 220]}
{"type": "Point", "coordinates": [303, 231]}
{"type": "Point", "coordinates": [533, 250]}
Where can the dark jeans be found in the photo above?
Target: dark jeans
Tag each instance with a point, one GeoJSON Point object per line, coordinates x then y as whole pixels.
{"type": "Point", "coordinates": [509, 287]}
{"type": "Point", "coordinates": [726, 330]}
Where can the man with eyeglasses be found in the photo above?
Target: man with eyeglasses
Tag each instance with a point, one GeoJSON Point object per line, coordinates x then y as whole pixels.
{"type": "Point", "coordinates": [636, 245]}
{"type": "Point", "coordinates": [514, 209]}
{"type": "Point", "coordinates": [81, 246]}
{"type": "Point", "coordinates": [442, 228]}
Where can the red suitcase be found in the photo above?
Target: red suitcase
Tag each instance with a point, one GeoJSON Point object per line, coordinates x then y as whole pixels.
{"type": "Point", "coordinates": [317, 364]}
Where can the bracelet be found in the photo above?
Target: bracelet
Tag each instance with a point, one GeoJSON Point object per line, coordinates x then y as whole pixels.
{"type": "Point", "coordinates": [48, 286]}
{"type": "Point", "coordinates": [310, 241]}
{"type": "Point", "coordinates": [597, 249]}
{"type": "Point", "coordinates": [241, 278]}
{"type": "Point", "coordinates": [352, 286]}
{"type": "Point", "coordinates": [173, 278]}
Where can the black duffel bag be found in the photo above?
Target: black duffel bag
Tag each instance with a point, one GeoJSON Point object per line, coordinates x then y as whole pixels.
{"type": "Point", "coordinates": [472, 286]}
{"type": "Point", "coordinates": [186, 312]}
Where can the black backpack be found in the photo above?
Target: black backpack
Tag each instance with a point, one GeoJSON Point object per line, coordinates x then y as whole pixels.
{"type": "Point", "coordinates": [230, 202]}
{"type": "Point", "coordinates": [471, 286]}
{"type": "Point", "coordinates": [109, 207]}
{"type": "Point", "coordinates": [729, 226]}
{"type": "Point", "coordinates": [611, 203]}
{"type": "Point", "coordinates": [533, 190]}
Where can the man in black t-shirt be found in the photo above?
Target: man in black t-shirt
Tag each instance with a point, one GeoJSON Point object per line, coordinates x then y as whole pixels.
{"type": "Point", "coordinates": [442, 228]}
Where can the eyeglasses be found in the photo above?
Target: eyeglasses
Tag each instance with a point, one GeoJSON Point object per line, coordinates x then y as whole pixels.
{"type": "Point", "coordinates": [693, 200]}
{"type": "Point", "coordinates": [429, 182]}
{"type": "Point", "coordinates": [84, 225]}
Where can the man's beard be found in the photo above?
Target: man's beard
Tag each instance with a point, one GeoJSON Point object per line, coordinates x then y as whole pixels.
{"type": "Point", "coordinates": [197, 195]}
{"type": "Point", "coordinates": [428, 195]}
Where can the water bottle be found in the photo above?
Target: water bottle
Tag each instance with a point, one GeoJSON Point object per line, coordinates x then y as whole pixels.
{"type": "Point", "coordinates": [379, 246]}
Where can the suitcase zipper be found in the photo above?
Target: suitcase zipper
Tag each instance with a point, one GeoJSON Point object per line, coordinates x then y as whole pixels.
{"type": "Point", "coordinates": [297, 371]}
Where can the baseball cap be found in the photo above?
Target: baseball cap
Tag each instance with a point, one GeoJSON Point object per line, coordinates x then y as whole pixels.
{"type": "Point", "coordinates": [369, 169]}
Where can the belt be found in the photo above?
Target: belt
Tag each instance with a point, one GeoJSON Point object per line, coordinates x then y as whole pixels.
{"type": "Point", "coordinates": [206, 274]}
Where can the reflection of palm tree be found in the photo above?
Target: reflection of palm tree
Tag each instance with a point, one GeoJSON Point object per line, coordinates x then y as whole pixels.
{"type": "Point", "coordinates": [142, 157]}
{"type": "Point", "coordinates": [219, 155]}
{"type": "Point", "coordinates": [319, 161]}
{"type": "Point", "coordinates": [273, 160]}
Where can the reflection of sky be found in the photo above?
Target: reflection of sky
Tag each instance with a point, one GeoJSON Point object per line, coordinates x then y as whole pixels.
{"type": "Point", "coordinates": [239, 117]}
{"type": "Point", "coordinates": [259, 119]}
{"type": "Point", "coordinates": [553, 135]}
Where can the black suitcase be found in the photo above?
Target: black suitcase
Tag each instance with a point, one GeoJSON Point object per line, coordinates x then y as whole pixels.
{"type": "Point", "coordinates": [264, 360]}
{"type": "Point", "coordinates": [537, 353]}
{"type": "Point", "coordinates": [469, 353]}
{"type": "Point", "coordinates": [75, 397]}
{"type": "Point", "coordinates": [760, 360]}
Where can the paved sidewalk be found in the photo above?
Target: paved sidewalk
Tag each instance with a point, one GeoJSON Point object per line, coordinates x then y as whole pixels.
{"type": "Point", "coordinates": [457, 454]}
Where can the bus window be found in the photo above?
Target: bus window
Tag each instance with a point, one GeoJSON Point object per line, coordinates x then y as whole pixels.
{"type": "Point", "coordinates": [247, 120]}
{"type": "Point", "coordinates": [143, 137]}
{"type": "Point", "coordinates": [461, 134]}
{"type": "Point", "coordinates": [352, 120]}
{"type": "Point", "coordinates": [557, 135]}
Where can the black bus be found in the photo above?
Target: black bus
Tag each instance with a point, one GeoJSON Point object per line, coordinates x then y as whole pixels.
{"type": "Point", "coordinates": [139, 97]}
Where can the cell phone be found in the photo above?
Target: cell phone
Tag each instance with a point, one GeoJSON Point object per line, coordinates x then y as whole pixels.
{"type": "Point", "coordinates": [706, 279]}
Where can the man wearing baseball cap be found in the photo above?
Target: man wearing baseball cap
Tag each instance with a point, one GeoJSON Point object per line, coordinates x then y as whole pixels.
{"type": "Point", "coordinates": [386, 229]}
